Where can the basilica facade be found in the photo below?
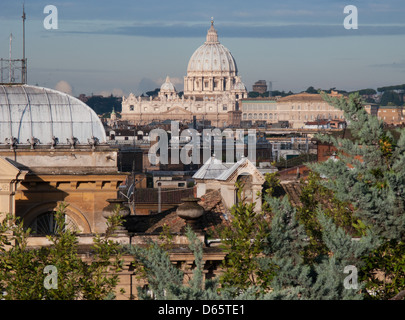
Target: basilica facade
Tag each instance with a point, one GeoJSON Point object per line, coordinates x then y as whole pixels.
{"type": "Point", "coordinates": [213, 91]}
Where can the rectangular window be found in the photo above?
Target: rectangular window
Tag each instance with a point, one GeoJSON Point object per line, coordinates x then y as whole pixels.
{"type": "Point", "coordinates": [131, 107]}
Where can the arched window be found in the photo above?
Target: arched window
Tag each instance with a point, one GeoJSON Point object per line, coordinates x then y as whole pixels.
{"type": "Point", "coordinates": [46, 224]}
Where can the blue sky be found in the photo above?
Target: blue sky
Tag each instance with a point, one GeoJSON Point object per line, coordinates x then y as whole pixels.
{"type": "Point", "coordinates": [130, 46]}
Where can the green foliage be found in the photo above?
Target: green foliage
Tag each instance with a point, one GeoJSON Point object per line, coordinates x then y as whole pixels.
{"type": "Point", "coordinates": [166, 281]}
{"type": "Point", "coordinates": [314, 195]}
{"type": "Point", "coordinates": [253, 94]}
{"type": "Point", "coordinates": [390, 88]}
{"type": "Point", "coordinates": [384, 270]}
{"type": "Point", "coordinates": [370, 176]}
{"type": "Point", "coordinates": [22, 268]}
{"type": "Point", "coordinates": [272, 185]}
{"type": "Point", "coordinates": [286, 242]}
{"type": "Point", "coordinates": [104, 104]}
{"type": "Point", "coordinates": [243, 242]}
{"type": "Point", "coordinates": [166, 237]}
{"type": "Point", "coordinates": [390, 98]}
{"type": "Point", "coordinates": [368, 92]}
{"type": "Point", "coordinates": [312, 90]}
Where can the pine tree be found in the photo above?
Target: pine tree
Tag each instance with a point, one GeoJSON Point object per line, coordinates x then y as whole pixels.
{"type": "Point", "coordinates": [369, 174]}
{"type": "Point", "coordinates": [165, 281]}
{"type": "Point", "coordinates": [286, 243]}
{"type": "Point", "coordinates": [370, 171]}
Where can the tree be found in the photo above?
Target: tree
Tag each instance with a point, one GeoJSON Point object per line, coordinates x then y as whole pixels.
{"type": "Point", "coordinates": [22, 268]}
{"type": "Point", "coordinates": [165, 281]}
{"type": "Point", "coordinates": [370, 175]}
{"type": "Point", "coordinates": [314, 194]}
{"type": "Point", "coordinates": [390, 98]}
{"type": "Point", "coordinates": [367, 92]}
{"type": "Point", "coordinates": [311, 90]}
{"type": "Point", "coordinates": [243, 242]}
{"type": "Point", "coordinates": [253, 94]}
{"type": "Point", "coordinates": [153, 93]}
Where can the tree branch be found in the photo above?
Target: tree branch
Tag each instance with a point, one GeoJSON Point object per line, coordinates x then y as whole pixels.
{"type": "Point", "coordinates": [399, 296]}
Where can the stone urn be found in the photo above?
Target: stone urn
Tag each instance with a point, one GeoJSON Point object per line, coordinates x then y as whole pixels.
{"type": "Point", "coordinates": [190, 211]}
{"type": "Point", "coordinates": [110, 209]}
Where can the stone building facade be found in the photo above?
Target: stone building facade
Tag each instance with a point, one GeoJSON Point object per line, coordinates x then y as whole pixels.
{"type": "Point", "coordinates": [391, 115]}
{"type": "Point", "coordinates": [297, 109]}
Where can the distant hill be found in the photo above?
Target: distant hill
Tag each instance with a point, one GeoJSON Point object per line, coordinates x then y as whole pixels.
{"type": "Point", "coordinates": [102, 104]}
{"type": "Point", "coordinates": [390, 88]}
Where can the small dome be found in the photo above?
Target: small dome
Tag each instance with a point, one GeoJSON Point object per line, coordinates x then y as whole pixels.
{"type": "Point", "coordinates": [212, 56]}
{"type": "Point", "coordinates": [168, 86]}
{"type": "Point", "coordinates": [239, 85]}
{"type": "Point", "coordinates": [30, 114]}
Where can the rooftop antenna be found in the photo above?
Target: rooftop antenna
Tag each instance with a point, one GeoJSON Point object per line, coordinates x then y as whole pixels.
{"type": "Point", "coordinates": [10, 77]}
{"type": "Point", "coordinates": [24, 62]}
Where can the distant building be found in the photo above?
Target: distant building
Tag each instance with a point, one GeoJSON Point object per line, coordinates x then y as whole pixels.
{"type": "Point", "coordinates": [260, 86]}
{"type": "Point", "coordinates": [297, 109]}
{"type": "Point", "coordinates": [391, 115]}
{"type": "Point", "coordinates": [371, 108]}
{"type": "Point", "coordinates": [212, 91]}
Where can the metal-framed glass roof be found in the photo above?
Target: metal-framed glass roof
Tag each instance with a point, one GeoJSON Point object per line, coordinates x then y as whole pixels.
{"type": "Point", "coordinates": [41, 116]}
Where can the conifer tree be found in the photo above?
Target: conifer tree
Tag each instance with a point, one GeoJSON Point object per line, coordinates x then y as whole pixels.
{"type": "Point", "coordinates": [369, 174]}
{"type": "Point", "coordinates": [286, 243]}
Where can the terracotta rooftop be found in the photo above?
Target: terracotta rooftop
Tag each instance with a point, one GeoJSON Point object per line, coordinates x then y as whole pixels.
{"type": "Point", "coordinates": [305, 97]}
{"type": "Point", "coordinates": [214, 214]}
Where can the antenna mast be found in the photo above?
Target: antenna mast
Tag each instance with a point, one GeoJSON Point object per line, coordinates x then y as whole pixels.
{"type": "Point", "coordinates": [24, 62]}
{"type": "Point", "coordinates": [10, 77]}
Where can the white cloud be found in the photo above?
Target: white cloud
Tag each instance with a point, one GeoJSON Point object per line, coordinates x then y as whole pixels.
{"type": "Point", "coordinates": [64, 86]}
